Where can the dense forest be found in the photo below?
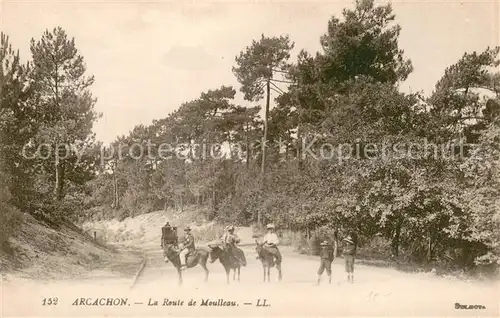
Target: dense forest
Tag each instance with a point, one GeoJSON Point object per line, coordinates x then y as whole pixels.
{"type": "Point", "coordinates": [325, 142]}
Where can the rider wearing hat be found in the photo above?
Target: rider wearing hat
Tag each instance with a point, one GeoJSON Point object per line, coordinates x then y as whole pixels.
{"type": "Point", "coordinates": [229, 240]}
{"type": "Point", "coordinates": [188, 246]}
{"type": "Point", "coordinates": [271, 242]}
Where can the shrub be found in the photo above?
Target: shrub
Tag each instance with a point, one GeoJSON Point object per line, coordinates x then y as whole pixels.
{"type": "Point", "coordinates": [208, 232]}
{"type": "Point", "coordinates": [10, 221]}
{"type": "Point", "coordinates": [376, 247]}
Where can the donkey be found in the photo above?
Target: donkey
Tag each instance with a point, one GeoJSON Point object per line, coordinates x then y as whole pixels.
{"type": "Point", "coordinates": [268, 260]}
{"type": "Point", "coordinates": [227, 261]}
{"type": "Point", "coordinates": [200, 256]}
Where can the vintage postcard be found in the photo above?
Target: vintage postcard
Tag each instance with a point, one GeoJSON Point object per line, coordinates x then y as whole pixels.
{"type": "Point", "coordinates": [249, 158]}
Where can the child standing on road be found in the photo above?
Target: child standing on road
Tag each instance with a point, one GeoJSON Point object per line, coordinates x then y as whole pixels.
{"type": "Point", "coordinates": [349, 251]}
{"type": "Point", "coordinates": [326, 258]}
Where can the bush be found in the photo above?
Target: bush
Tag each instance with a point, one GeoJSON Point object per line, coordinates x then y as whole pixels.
{"type": "Point", "coordinates": [232, 211]}
{"type": "Point", "coordinates": [487, 259]}
{"type": "Point", "coordinates": [291, 238]}
{"type": "Point", "coordinates": [303, 245]}
{"type": "Point", "coordinates": [10, 221]}
{"type": "Point", "coordinates": [209, 232]}
{"type": "Point", "coordinates": [375, 248]}
{"type": "Point", "coordinates": [122, 214]}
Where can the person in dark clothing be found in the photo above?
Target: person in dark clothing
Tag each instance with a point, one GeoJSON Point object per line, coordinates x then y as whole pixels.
{"type": "Point", "coordinates": [229, 241]}
{"type": "Point", "coordinates": [168, 236]}
{"type": "Point", "coordinates": [188, 247]}
{"type": "Point", "coordinates": [165, 230]}
{"type": "Point", "coordinates": [349, 251]}
{"type": "Point", "coordinates": [326, 255]}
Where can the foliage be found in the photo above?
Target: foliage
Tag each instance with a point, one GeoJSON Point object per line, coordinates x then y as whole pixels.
{"type": "Point", "coordinates": [46, 109]}
{"type": "Point", "coordinates": [66, 107]}
{"type": "Point", "coordinates": [364, 44]}
{"type": "Point", "coordinates": [415, 178]}
{"type": "Point", "coordinates": [260, 62]}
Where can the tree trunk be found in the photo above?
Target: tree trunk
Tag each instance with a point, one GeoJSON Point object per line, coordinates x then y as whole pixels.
{"type": "Point", "coordinates": [396, 239]}
{"type": "Point", "coordinates": [58, 180]}
{"type": "Point", "coordinates": [213, 199]}
{"type": "Point", "coordinates": [190, 153]}
{"type": "Point", "coordinates": [62, 166]}
{"type": "Point", "coordinates": [264, 142]}
{"type": "Point", "coordinates": [335, 247]}
{"type": "Point", "coordinates": [429, 248]}
{"type": "Point", "coordinates": [59, 185]}
{"type": "Point", "coordinates": [59, 177]}
{"type": "Point", "coordinates": [117, 196]}
{"type": "Point", "coordinates": [247, 163]}
{"type": "Point", "coordinates": [336, 243]}
{"type": "Point", "coordinates": [299, 144]}
{"type": "Point", "coordinates": [115, 186]}
{"type": "Point", "coordinates": [286, 148]}
{"type": "Point", "coordinates": [118, 203]}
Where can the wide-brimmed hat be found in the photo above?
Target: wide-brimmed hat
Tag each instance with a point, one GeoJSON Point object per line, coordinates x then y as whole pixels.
{"type": "Point", "coordinates": [270, 226]}
{"type": "Point", "coordinates": [324, 243]}
{"type": "Point", "coordinates": [187, 228]}
{"type": "Point", "coordinates": [230, 227]}
{"type": "Point", "coordinates": [349, 239]}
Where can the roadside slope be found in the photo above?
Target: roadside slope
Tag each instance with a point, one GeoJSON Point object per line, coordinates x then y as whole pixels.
{"type": "Point", "coordinates": [38, 251]}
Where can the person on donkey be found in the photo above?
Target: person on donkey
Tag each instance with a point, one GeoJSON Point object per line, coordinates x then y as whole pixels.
{"type": "Point", "coordinates": [229, 241]}
{"type": "Point", "coordinates": [271, 242]}
{"type": "Point", "coordinates": [188, 247]}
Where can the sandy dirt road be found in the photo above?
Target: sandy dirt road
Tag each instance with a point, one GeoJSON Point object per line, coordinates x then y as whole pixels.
{"type": "Point", "coordinates": [376, 292]}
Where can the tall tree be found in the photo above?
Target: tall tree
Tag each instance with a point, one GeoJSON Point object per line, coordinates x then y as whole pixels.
{"type": "Point", "coordinates": [360, 49]}
{"type": "Point", "coordinates": [482, 178]}
{"type": "Point", "coordinates": [364, 44]}
{"type": "Point", "coordinates": [18, 122]}
{"type": "Point", "coordinates": [467, 95]}
{"type": "Point", "coordinates": [257, 67]}
{"type": "Point", "coordinates": [62, 92]}
{"type": "Point", "coordinates": [14, 131]}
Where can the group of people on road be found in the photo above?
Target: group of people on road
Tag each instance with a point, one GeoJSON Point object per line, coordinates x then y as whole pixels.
{"type": "Point", "coordinates": [270, 241]}
{"type": "Point", "coordinates": [327, 255]}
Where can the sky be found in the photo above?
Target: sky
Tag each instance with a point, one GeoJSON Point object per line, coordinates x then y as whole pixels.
{"type": "Point", "coordinates": [148, 57]}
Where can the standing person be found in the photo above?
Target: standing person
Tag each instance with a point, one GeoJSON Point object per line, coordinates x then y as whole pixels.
{"type": "Point", "coordinates": [349, 251]}
{"type": "Point", "coordinates": [327, 255]}
{"type": "Point", "coordinates": [188, 247]}
{"type": "Point", "coordinates": [271, 242]}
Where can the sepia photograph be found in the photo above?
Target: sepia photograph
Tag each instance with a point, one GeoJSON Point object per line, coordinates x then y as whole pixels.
{"type": "Point", "coordinates": [249, 158]}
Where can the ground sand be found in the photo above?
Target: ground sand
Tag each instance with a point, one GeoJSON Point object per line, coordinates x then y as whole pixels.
{"type": "Point", "coordinates": [376, 292]}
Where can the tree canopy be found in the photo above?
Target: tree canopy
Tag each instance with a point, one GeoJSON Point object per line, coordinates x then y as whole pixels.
{"type": "Point", "coordinates": [342, 149]}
